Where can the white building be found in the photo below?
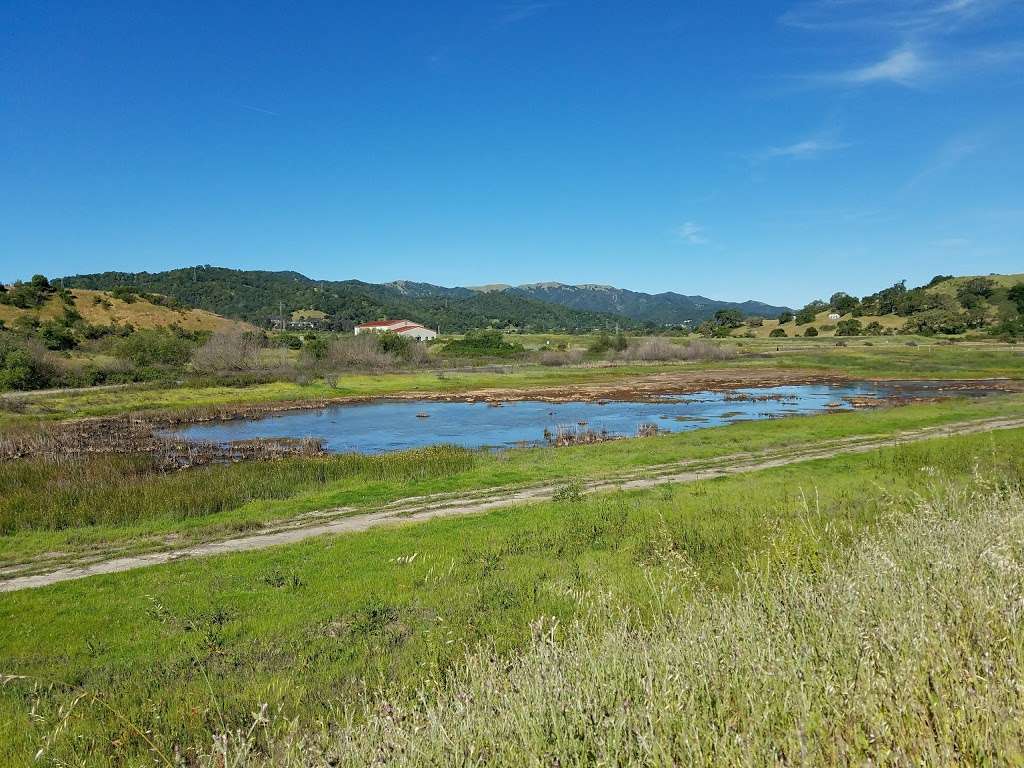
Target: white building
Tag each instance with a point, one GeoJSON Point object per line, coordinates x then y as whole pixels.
{"type": "Point", "coordinates": [401, 327]}
{"type": "Point", "coordinates": [834, 316]}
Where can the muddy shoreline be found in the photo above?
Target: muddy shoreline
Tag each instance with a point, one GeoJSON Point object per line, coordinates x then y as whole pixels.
{"type": "Point", "coordinates": [141, 433]}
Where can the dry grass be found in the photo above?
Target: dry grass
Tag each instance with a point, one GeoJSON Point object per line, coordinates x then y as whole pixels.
{"type": "Point", "coordinates": [100, 308]}
{"type": "Point", "coordinates": [906, 650]}
{"type": "Point", "coordinates": [560, 357]}
{"type": "Point", "coordinates": [228, 351]}
{"type": "Point", "coordinates": [363, 352]}
{"type": "Point", "coordinates": [657, 349]}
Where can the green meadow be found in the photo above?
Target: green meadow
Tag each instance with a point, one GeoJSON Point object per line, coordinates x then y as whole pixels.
{"type": "Point", "coordinates": [115, 670]}
{"type": "Point", "coordinates": [122, 501]}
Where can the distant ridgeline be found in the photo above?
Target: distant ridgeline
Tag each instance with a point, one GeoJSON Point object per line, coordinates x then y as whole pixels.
{"type": "Point", "coordinates": [261, 297]}
{"type": "Point", "coordinates": [946, 305]}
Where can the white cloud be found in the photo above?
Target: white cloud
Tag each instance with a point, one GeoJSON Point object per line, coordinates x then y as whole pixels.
{"type": "Point", "coordinates": [904, 66]}
{"type": "Point", "coordinates": [804, 150]}
{"type": "Point", "coordinates": [923, 35]}
{"type": "Point", "coordinates": [692, 233]}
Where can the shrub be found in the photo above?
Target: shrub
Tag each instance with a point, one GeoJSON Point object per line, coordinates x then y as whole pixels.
{"type": "Point", "coordinates": [289, 340]}
{"type": "Point", "coordinates": [488, 343]}
{"type": "Point", "coordinates": [57, 336]}
{"type": "Point", "coordinates": [23, 366]}
{"type": "Point", "coordinates": [843, 303]}
{"type": "Point", "coordinates": [1016, 295]}
{"type": "Point", "coordinates": [601, 345]}
{"type": "Point", "coordinates": [936, 321]}
{"type": "Point", "coordinates": [728, 318]}
{"type": "Point", "coordinates": [156, 347]}
{"type": "Point", "coordinates": [125, 293]}
{"type": "Point", "coordinates": [785, 317]}
{"type": "Point", "coordinates": [777, 333]}
{"type": "Point", "coordinates": [28, 295]}
{"type": "Point", "coordinates": [558, 357]}
{"type": "Point", "coordinates": [393, 344]}
{"type": "Point", "coordinates": [229, 351]}
{"type": "Point", "coordinates": [849, 328]}
{"type": "Point", "coordinates": [805, 316]}
{"type": "Point", "coordinates": [315, 348]}
{"type": "Point", "coordinates": [657, 349]}
{"type": "Point", "coordinates": [811, 331]}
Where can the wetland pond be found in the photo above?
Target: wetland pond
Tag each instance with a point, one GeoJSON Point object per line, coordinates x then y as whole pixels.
{"type": "Point", "coordinates": [395, 425]}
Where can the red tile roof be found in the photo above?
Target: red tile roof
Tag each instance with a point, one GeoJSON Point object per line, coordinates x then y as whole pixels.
{"type": "Point", "coordinates": [381, 323]}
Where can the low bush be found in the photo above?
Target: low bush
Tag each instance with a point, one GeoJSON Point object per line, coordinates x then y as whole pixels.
{"type": "Point", "coordinates": [657, 349]}
{"type": "Point", "coordinates": [229, 351]}
{"type": "Point", "coordinates": [157, 347]}
{"type": "Point", "coordinates": [559, 357]}
{"type": "Point", "coordinates": [489, 343]}
{"type": "Point", "coordinates": [24, 365]}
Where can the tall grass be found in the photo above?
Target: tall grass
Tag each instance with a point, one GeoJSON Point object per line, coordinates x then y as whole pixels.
{"type": "Point", "coordinates": [906, 650]}
{"type": "Point", "coordinates": [53, 494]}
{"type": "Point", "coordinates": [656, 349]}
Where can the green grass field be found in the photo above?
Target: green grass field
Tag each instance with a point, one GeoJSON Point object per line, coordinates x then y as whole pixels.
{"type": "Point", "coordinates": [145, 667]}
{"type": "Point", "coordinates": [182, 651]}
{"type": "Point", "coordinates": [79, 504]}
{"type": "Point", "coordinates": [891, 361]}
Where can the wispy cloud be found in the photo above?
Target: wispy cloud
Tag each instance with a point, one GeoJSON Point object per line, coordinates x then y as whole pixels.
{"type": "Point", "coordinates": [514, 13]}
{"type": "Point", "coordinates": [897, 16]}
{"type": "Point", "coordinates": [949, 156]}
{"type": "Point", "coordinates": [911, 66]}
{"type": "Point", "coordinates": [261, 110]}
{"type": "Point", "coordinates": [924, 45]}
{"type": "Point", "coordinates": [803, 150]}
{"type": "Point", "coordinates": [692, 233]}
{"type": "Point", "coordinates": [905, 67]}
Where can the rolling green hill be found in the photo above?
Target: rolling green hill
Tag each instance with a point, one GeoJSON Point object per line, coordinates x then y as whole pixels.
{"type": "Point", "coordinates": [258, 297]}
{"type": "Point", "coordinates": [947, 305]}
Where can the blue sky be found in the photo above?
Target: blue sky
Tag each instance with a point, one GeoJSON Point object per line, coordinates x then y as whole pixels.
{"type": "Point", "coordinates": [777, 151]}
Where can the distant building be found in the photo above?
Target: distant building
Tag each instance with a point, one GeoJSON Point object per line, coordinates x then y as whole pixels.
{"type": "Point", "coordinates": [401, 327]}
{"type": "Point", "coordinates": [834, 316]}
{"type": "Point", "coordinates": [308, 324]}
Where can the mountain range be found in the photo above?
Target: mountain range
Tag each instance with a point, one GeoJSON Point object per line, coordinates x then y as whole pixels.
{"type": "Point", "coordinates": [258, 296]}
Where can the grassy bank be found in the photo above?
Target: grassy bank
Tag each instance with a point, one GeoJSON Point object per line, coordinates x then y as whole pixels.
{"type": "Point", "coordinates": [891, 361]}
{"type": "Point", "coordinates": [183, 651]}
{"type": "Point", "coordinates": [907, 651]}
{"type": "Point", "coordinates": [75, 504]}
{"type": "Point", "coordinates": [105, 402]}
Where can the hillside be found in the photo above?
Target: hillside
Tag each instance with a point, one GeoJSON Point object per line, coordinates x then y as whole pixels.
{"type": "Point", "coordinates": [259, 296]}
{"type": "Point", "coordinates": [947, 305]}
{"type": "Point", "coordinates": [659, 309]}
{"type": "Point", "coordinates": [100, 308]}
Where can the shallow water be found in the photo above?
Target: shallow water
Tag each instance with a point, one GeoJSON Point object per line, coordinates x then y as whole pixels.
{"type": "Point", "coordinates": [383, 426]}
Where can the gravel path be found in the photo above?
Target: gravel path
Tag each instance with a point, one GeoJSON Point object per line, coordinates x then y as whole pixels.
{"type": "Point", "coordinates": [449, 505]}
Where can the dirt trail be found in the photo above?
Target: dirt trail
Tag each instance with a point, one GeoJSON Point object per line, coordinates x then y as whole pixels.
{"type": "Point", "coordinates": [342, 520]}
